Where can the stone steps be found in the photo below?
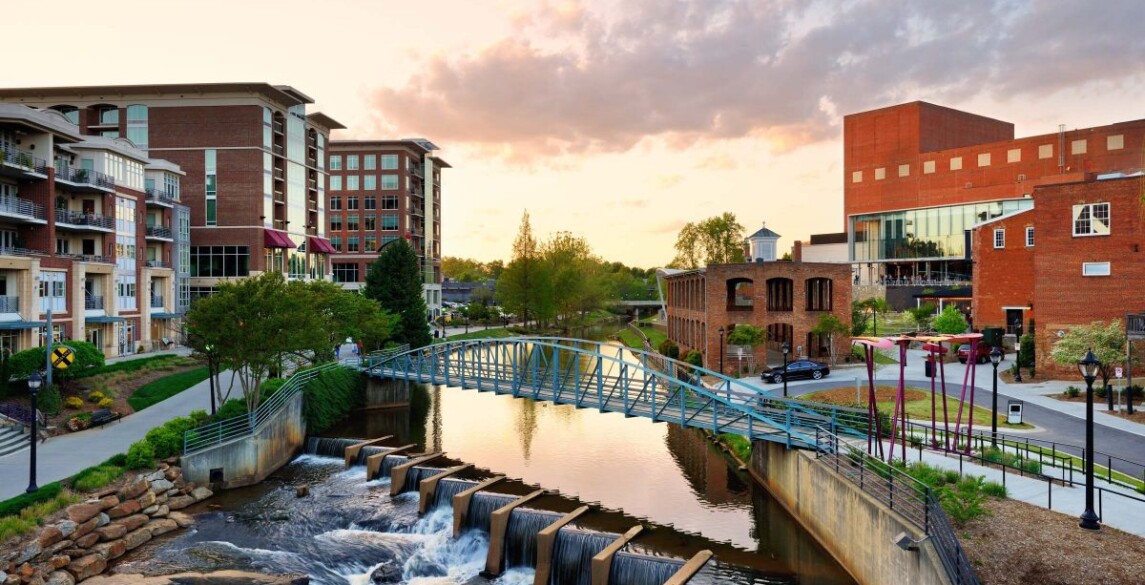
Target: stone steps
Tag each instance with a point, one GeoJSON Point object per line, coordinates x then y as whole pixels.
{"type": "Point", "coordinates": [13, 439]}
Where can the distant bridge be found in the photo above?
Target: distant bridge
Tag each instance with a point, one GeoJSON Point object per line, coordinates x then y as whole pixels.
{"type": "Point", "coordinates": [615, 378]}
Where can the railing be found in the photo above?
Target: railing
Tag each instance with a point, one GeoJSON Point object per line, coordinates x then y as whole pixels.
{"type": "Point", "coordinates": [23, 159]}
{"type": "Point", "coordinates": [157, 301]}
{"type": "Point", "coordinates": [93, 302]}
{"type": "Point", "coordinates": [245, 425]}
{"type": "Point", "coordinates": [18, 206]}
{"type": "Point", "coordinates": [90, 258]}
{"type": "Point", "coordinates": [910, 498]}
{"type": "Point", "coordinates": [14, 251]}
{"type": "Point", "coordinates": [158, 231]}
{"type": "Point", "coordinates": [9, 304]}
{"type": "Point", "coordinates": [158, 264]}
{"type": "Point", "coordinates": [84, 219]}
{"type": "Point", "coordinates": [161, 195]}
{"type": "Point", "coordinates": [85, 177]}
{"type": "Point", "coordinates": [924, 281]}
{"type": "Point", "coordinates": [415, 170]}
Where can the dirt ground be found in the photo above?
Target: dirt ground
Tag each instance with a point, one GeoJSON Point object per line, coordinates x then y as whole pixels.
{"type": "Point", "coordinates": [846, 396]}
{"type": "Point", "coordinates": [1019, 544]}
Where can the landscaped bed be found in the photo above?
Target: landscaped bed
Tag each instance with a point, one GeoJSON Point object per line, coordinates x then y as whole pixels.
{"type": "Point", "coordinates": [917, 403]}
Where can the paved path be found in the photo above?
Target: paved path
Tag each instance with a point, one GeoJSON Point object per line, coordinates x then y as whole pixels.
{"type": "Point", "coordinates": [66, 455]}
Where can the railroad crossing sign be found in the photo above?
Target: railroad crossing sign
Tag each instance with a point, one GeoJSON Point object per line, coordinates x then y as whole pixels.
{"type": "Point", "coordinates": [62, 357]}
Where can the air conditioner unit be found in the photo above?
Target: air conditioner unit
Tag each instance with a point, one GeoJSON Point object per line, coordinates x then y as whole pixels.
{"type": "Point", "coordinates": [1021, 177]}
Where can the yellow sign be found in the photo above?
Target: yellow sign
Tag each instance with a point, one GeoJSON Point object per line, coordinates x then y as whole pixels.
{"type": "Point", "coordinates": [62, 357]}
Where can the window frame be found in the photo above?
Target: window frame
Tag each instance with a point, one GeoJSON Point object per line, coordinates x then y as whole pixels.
{"type": "Point", "coordinates": [1090, 220]}
{"type": "Point", "coordinates": [1029, 236]}
{"type": "Point", "coordinates": [1000, 238]}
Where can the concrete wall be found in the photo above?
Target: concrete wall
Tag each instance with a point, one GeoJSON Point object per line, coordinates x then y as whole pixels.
{"type": "Point", "coordinates": [853, 527]}
{"type": "Point", "coordinates": [249, 460]}
{"type": "Point", "coordinates": [386, 393]}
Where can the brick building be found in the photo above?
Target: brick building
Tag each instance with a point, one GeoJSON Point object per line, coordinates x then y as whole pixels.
{"type": "Point", "coordinates": [785, 299]}
{"type": "Point", "coordinates": [92, 231]}
{"type": "Point", "coordinates": [381, 190]}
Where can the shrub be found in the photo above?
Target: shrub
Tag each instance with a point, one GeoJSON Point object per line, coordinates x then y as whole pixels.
{"type": "Point", "coordinates": [995, 489]}
{"type": "Point", "coordinates": [269, 387]}
{"type": "Point", "coordinates": [140, 455]}
{"type": "Point", "coordinates": [1031, 466]}
{"type": "Point", "coordinates": [1099, 391]}
{"type": "Point", "coordinates": [963, 501]}
{"type": "Point", "coordinates": [95, 396]}
{"type": "Point", "coordinates": [118, 460]}
{"type": "Point", "coordinates": [992, 454]}
{"type": "Point", "coordinates": [93, 478]}
{"type": "Point", "coordinates": [14, 505]}
{"type": "Point", "coordinates": [1136, 391]}
{"type": "Point", "coordinates": [668, 348]}
{"type": "Point", "coordinates": [1072, 391]}
{"type": "Point", "coordinates": [230, 409]}
{"type": "Point", "coordinates": [694, 357]}
{"type": "Point", "coordinates": [1026, 345]}
{"type": "Point", "coordinates": [199, 417]}
{"type": "Point", "coordinates": [49, 400]}
{"type": "Point", "coordinates": [330, 397]}
{"type": "Point", "coordinates": [106, 403]}
{"type": "Point", "coordinates": [73, 402]}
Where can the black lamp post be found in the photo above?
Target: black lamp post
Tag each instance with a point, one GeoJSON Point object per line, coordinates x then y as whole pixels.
{"type": "Point", "coordinates": [1088, 367]}
{"type": "Point", "coordinates": [786, 350]}
{"type": "Point", "coordinates": [34, 382]}
{"type": "Point", "coordinates": [995, 359]}
{"type": "Point", "coordinates": [721, 332]}
{"type": "Point", "coordinates": [1018, 359]}
{"type": "Point", "coordinates": [210, 351]}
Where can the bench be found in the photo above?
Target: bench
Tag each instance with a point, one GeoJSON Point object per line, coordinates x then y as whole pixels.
{"type": "Point", "coordinates": [102, 417]}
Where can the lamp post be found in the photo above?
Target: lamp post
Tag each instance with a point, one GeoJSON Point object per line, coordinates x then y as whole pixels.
{"type": "Point", "coordinates": [1018, 361]}
{"type": "Point", "coordinates": [995, 359]}
{"type": "Point", "coordinates": [1088, 367]}
{"type": "Point", "coordinates": [721, 332]}
{"type": "Point", "coordinates": [34, 382]}
{"type": "Point", "coordinates": [209, 349]}
{"type": "Point", "coordinates": [786, 350]}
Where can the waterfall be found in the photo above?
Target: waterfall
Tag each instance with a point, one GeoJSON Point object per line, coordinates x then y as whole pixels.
{"type": "Point", "coordinates": [481, 507]}
{"type": "Point", "coordinates": [415, 474]}
{"type": "Point", "coordinates": [329, 447]}
{"type": "Point", "coordinates": [520, 549]}
{"type": "Point", "coordinates": [389, 462]}
{"type": "Point", "coordinates": [447, 488]}
{"type": "Point", "coordinates": [369, 450]}
{"type": "Point", "coordinates": [642, 569]}
{"type": "Point", "coordinates": [572, 555]}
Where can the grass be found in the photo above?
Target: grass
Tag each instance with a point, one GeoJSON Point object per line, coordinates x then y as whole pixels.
{"type": "Point", "coordinates": [632, 339]}
{"type": "Point", "coordinates": [164, 388]}
{"type": "Point", "coordinates": [32, 514]}
{"type": "Point", "coordinates": [136, 365]}
{"type": "Point", "coordinates": [478, 333]}
{"type": "Point", "coordinates": [739, 445]}
{"type": "Point", "coordinates": [94, 478]}
{"type": "Point", "coordinates": [881, 357]}
{"type": "Point", "coordinates": [917, 404]}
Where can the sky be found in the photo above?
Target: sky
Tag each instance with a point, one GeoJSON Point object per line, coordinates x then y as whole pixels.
{"type": "Point", "coordinates": [618, 121]}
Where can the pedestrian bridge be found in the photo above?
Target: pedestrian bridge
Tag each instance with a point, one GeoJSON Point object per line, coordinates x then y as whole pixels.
{"type": "Point", "coordinates": [615, 378]}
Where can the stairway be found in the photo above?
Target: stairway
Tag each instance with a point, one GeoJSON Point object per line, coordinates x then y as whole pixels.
{"type": "Point", "coordinates": [12, 439]}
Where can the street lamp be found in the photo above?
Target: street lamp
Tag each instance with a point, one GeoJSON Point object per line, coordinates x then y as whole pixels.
{"type": "Point", "coordinates": [721, 332]}
{"type": "Point", "coordinates": [1018, 360]}
{"type": "Point", "coordinates": [995, 359]}
{"type": "Point", "coordinates": [1088, 366]}
{"type": "Point", "coordinates": [209, 349]}
{"type": "Point", "coordinates": [786, 350]}
{"type": "Point", "coordinates": [34, 382]}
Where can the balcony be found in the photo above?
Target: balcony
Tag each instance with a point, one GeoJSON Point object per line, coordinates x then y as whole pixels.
{"type": "Point", "coordinates": [158, 264]}
{"type": "Point", "coordinates": [79, 220]}
{"type": "Point", "coordinates": [20, 164]}
{"type": "Point", "coordinates": [278, 127]}
{"type": "Point", "coordinates": [279, 149]}
{"type": "Point", "coordinates": [92, 302]}
{"type": "Point", "coordinates": [415, 170]}
{"type": "Point", "coordinates": [279, 174]}
{"type": "Point", "coordinates": [279, 196]}
{"type": "Point", "coordinates": [158, 232]}
{"type": "Point", "coordinates": [85, 180]}
{"type": "Point", "coordinates": [9, 304]}
{"type": "Point", "coordinates": [161, 197]}
{"type": "Point", "coordinates": [157, 301]}
{"type": "Point", "coordinates": [14, 251]}
{"type": "Point", "coordinates": [21, 209]}
{"type": "Point", "coordinates": [90, 258]}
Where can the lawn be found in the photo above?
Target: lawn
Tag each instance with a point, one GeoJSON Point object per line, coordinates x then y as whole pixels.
{"type": "Point", "coordinates": [882, 357]}
{"type": "Point", "coordinates": [476, 333]}
{"type": "Point", "coordinates": [917, 404]}
{"type": "Point", "coordinates": [633, 339]}
{"type": "Point", "coordinates": [164, 388]}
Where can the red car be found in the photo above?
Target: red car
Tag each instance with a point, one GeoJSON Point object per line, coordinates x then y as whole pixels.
{"type": "Point", "coordinates": [982, 354]}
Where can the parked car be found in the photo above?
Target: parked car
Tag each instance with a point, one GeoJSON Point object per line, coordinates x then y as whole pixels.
{"type": "Point", "coordinates": [982, 354]}
{"type": "Point", "coordinates": [797, 369]}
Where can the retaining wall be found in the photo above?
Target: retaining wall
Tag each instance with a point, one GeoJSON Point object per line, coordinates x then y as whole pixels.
{"type": "Point", "coordinates": [386, 393]}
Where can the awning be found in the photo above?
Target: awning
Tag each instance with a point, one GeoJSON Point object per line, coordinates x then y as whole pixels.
{"type": "Point", "coordinates": [166, 315]}
{"type": "Point", "coordinates": [103, 319]}
{"type": "Point", "coordinates": [321, 245]}
{"type": "Point", "coordinates": [276, 239]}
{"type": "Point", "coordinates": [15, 325]}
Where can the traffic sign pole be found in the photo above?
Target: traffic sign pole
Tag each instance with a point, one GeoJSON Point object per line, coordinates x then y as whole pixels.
{"type": "Point", "coordinates": [48, 355]}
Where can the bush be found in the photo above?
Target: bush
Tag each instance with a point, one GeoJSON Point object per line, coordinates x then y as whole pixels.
{"type": "Point", "coordinates": [1026, 345]}
{"type": "Point", "coordinates": [994, 489]}
{"type": "Point", "coordinates": [1099, 391]}
{"type": "Point", "coordinates": [95, 396]}
{"type": "Point", "coordinates": [1031, 466]}
{"type": "Point", "coordinates": [1136, 391]}
{"type": "Point", "coordinates": [118, 460]}
{"type": "Point", "coordinates": [49, 401]}
{"type": "Point", "coordinates": [964, 502]}
{"type": "Point", "coordinates": [93, 478]}
{"type": "Point", "coordinates": [230, 409]}
{"type": "Point", "coordinates": [269, 387]}
{"type": "Point", "coordinates": [199, 417]}
{"type": "Point", "coordinates": [695, 358]}
{"type": "Point", "coordinates": [73, 402]}
{"type": "Point", "coordinates": [106, 403]}
{"type": "Point", "coordinates": [668, 348]}
{"type": "Point", "coordinates": [330, 397]}
{"type": "Point", "coordinates": [140, 455]}
{"type": "Point", "coordinates": [1072, 391]}
{"type": "Point", "coordinates": [15, 505]}
{"type": "Point", "coordinates": [167, 440]}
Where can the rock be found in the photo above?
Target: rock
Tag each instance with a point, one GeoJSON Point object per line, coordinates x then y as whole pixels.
{"type": "Point", "coordinates": [172, 492]}
{"type": "Point", "coordinates": [31, 550]}
{"type": "Point", "coordinates": [162, 512]}
{"type": "Point", "coordinates": [161, 526]}
{"type": "Point", "coordinates": [201, 493]}
{"type": "Point", "coordinates": [59, 561]}
{"type": "Point", "coordinates": [88, 566]}
{"type": "Point", "coordinates": [164, 466]}
{"type": "Point", "coordinates": [26, 570]}
{"type": "Point", "coordinates": [67, 527]}
{"type": "Point", "coordinates": [151, 510]}
{"type": "Point", "coordinates": [85, 528]}
{"type": "Point", "coordinates": [110, 550]}
{"type": "Point", "coordinates": [82, 512]}
{"type": "Point", "coordinates": [146, 499]}
{"type": "Point", "coordinates": [162, 498]}
{"type": "Point", "coordinates": [154, 475]}
{"type": "Point", "coordinates": [75, 553]}
{"type": "Point", "coordinates": [301, 491]}
{"type": "Point", "coordinates": [11, 580]}
{"type": "Point", "coordinates": [108, 502]}
{"type": "Point", "coordinates": [133, 490]}
{"type": "Point", "coordinates": [172, 473]}
{"type": "Point", "coordinates": [61, 578]}
{"type": "Point", "coordinates": [36, 579]}
{"type": "Point", "coordinates": [87, 540]}
{"type": "Point", "coordinates": [180, 502]}
{"type": "Point", "coordinates": [56, 548]}
{"type": "Point", "coordinates": [161, 485]}
{"type": "Point", "coordinates": [126, 509]}
{"type": "Point", "coordinates": [111, 532]}
{"type": "Point", "coordinates": [136, 538]}
{"type": "Point", "coordinates": [133, 522]}
{"type": "Point", "coordinates": [183, 520]}
{"type": "Point", "coordinates": [387, 572]}
{"type": "Point", "coordinates": [50, 535]}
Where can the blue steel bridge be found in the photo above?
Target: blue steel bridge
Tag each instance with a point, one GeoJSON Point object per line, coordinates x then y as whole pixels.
{"type": "Point", "coordinates": [615, 378]}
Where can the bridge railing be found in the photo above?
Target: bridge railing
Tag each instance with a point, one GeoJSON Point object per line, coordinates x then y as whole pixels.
{"type": "Point", "coordinates": [913, 500]}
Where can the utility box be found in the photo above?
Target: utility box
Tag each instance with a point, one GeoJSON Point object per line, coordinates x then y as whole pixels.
{"type": "Point", "coordinates": [1014, 412]}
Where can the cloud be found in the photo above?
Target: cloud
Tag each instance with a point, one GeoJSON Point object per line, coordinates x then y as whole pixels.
{"type": "Point", "coordinates": [578, 78]}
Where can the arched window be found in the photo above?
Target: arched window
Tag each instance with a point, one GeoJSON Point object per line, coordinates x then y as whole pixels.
{"type": "Point", "coordinates": [819, 294]}
{"type": "Point", "coordinates": [780, 294]}
{"type": "Point", "coordinates": [72, 113]}
{"type": "Point", "coordinates": [739, 294]}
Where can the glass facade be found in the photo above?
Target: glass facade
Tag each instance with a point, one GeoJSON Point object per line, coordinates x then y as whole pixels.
{"type": "Point", "coordinates": [932, 233]}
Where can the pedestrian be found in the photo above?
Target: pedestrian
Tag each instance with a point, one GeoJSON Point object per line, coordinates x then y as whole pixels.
{"type": "Point", "coordinates": [337, 351]}
{"type": "Point", "coordinates": [358, 348]}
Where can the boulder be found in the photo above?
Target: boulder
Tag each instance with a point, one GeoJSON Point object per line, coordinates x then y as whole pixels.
{"type": "Point", "coordinates": [134, 489]}
{"type": "Point", "coordinates": [75, 553]}
{"type": "Point", "coordinates": [147, 499]}
{"type": "Point", "coordinates": [59, 561]}
{"type": "Point", "coordinates": [102, 519]}
{"type": "Point", "coordinates": [161, 526]}
{"type": "Point", "coordinates": [161, 512]}
{"type": "Point", "coordinates": [133, 522]}
{"type": "Point", "coordinates": [110, 550]}
{"type": "Point", "coordinates": [67, 527]}
{"type": "Point", "coordinates": [172, 473]}
{"type": "Point", "coordinates": [151, 510]}
{"type": "Point", "coordinates": [183, 520]}
{"type": "Point", "coordinates": [108, 502]}
{"type": "Point", "coordinates": [180, 502]}
{"type": "Point", "coordinates": [11, 579]}
{"type": "Point", "coordinates": [50, 535]}
{"type": "Point", "coordinates": [201, 493]}
{"type": "Point", "coordinates": [301, 491]}
{"type": "Point", "coordinates": [87, 540]}
{"type": "Point", "coordinates": [126, 508]}
{"type": "Point", "coordinates": [161, 485]}
{"type": "Point", "coordinates": [162, 498]}
{"type": "Point", "coordinates": [56, 548]}
{"type": "Point", "coordinates": [26, 570]}
{"type": "Point", "coordinates": [111, 532]}
{"type": "Point", "coordinates": [173, 492]}
{"type": "Point", "coordinates": [85, 528]}
{"type": "Point", "coordinates": [387, 572]}
{"type": "Point", "coordinates": [87, 566]}
{"type": "Point", "coordinates": [61, 578]}
{"type": "Point", "coordinates": [79, 513]}
{"type": "Point", "coordinates": [28, 552]}
{"type": "Point", "coordinates": [135, 538]}
{"type": "Point", "coordinates": [154, 475]}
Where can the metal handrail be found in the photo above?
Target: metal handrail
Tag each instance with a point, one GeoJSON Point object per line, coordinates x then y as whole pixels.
{"type": "Point", "coordinates": [158, 231]}
{"type": "Point", "coordinates": [85, 219]}
{"type": "Point", "coordinates": [161, 195]}
{"type": "Point", "coordinates": [85, 177]}
{"type": "Point", "coordinates": [23, 158]}
{"type": "Point", "coordinates": [9, 304]}
{"type": "Point", "coordinates": [93, 302]}
{"type": "Point", "coordinates": [18, 206]}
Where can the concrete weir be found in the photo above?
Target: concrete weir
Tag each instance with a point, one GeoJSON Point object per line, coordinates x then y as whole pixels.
{"type": "Point", "coordinates": [398, 475]}
{"type": "Point", "coordinates": [498, 523]}
{"type": "Point", "coordinates": [690, 568]}
{"type": "Point", "coordinates": [602, 562]}
{"type": "Point", "coordinates": [546, 538]}
{"type": "Point", "coordinates": [374, 462]}
{"type": "Point", "coordinates": [351, 452]}
{"type": "Point", "coordinates": [427, 488]}
{"type": "Point", "coordinates": [461, 503]}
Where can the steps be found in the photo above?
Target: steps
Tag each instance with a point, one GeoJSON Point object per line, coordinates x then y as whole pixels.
{"type": "Point", "coordinates": [12, 439]}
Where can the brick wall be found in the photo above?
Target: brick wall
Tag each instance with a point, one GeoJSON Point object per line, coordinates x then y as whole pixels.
{"type": "Point", "coordinates": [1003, 277]}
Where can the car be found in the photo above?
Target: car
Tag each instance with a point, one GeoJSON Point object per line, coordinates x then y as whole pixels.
{"type": "Point", "coordinates": [797, 369]}
{"type": "Point", "coordinates": [982, 354]}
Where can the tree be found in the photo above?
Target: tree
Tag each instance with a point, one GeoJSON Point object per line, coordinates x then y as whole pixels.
{"type": "Point", "coordinates": [746, 335]}
{"type": "Point", "coordinates": [859, 318]}
{"type": "Point", "coordinates": [395, 282]}
{"type": "Point", "coordinates": [922, 315]}
{"type": "Point", "coordinates": [875, 306]}
{"type": "Point", "coordinates": [951, 321]}
{"type": "Point", "coordinates": [716, 240]}
{"type": "Point", "coordinates": [524, 287]}
{"type": "Point", "coordinates": [1106, 340]}
{"type": "Point", "coordinates": [830, 328]}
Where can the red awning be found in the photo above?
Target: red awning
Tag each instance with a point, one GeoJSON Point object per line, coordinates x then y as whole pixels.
{"type": "Point", "coordinates": [276, 239]}
{"type": "Point", "coordinates": [321, 245]}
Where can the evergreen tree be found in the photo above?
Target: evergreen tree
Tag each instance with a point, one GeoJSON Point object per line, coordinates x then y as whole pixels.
{"type": "Point", "coordinates": [524, 287]}
{"type": "Point", "coordinates": [394, 281]}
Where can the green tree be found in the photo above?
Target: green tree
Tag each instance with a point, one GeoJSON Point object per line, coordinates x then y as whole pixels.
{"type": "Point", "coordinates": [348, 314]}
{"type": "Point", "coordinates": [716, 240]}
{"type": "Point", "coordinates": [831, 328]}
{"type": "Point", "coordinates": [875, 306]}
{"type": "Point", "coordinates": [859, 318]}
{"type": "Point", "coordinates": [395, 282]}
{"type": "Point", "coordinates": [568, 262]}
{"type": "Point", "coordinates": [524, 286]}
{"type": "Point", "coordinates": [746, 335]}
{"type": "Point", "coordinates": [922, 315]}
{"type": "Point", "coordinates": [1107, 340]}
{"type": "Point", "coordinates": [951, 321]}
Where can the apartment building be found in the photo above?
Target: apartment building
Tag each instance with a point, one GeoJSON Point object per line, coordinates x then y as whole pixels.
{"type": "Point", "coordinates": [379, 191]}
{"type": "Point", "coordinates": [92, 232]}
{"type": "Point", "coordinates": [253, 160]}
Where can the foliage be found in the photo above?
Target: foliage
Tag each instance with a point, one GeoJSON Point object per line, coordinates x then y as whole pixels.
{"type": "Point", "coordinates": [525, 285]}
{"type": "Point", "coordinates": [167, 440]}
{"type": "Point", "coordinates": [330, 396]}
{"type": "Point", "coordinates": [13, 506]}
{"type": "Point", "coordinates": [1073, 391]}
{"type": "Point", "coordinates": [106, 403]}
{"type": "Point", "coordinates": [1027, 348]}
{"type": "Point", "coordinates": [744, 334]}
{"type": "Point", "coordinates": [469, 270]}
{"type": "Point", "coordinates": [716, 240]}
{"type": "Point", "coordinates": [132, 365]}
{"type": "Point", "coordinates": [95, 396]}
{"type": "Point", "coordinates": [831, 328]}
{"type": "Point", "coordinates": [230, 409]}
{"type": "Point", "coordinates": [394, 280]}
{"type": "Point", "coordinates": [166, 387]}
{"type": "Point", "coordinates": [874, 306]}
{"type": "Point", "coordinates": [73, 402]}
{"type": "Point", "coordinates": [49, 401]}
{"type": "Point", "coordinates": [739, 445]}
{"type": "Point", "coordinates": [571, 269]}
{"type": "Point", "coordinates": [963, 501]}
{"type": "Point", "coordinates": [271, 386]}
{"type": "Point", "coordinates": [694, 357]}
{"type": "Point", "coordinates": [87, 358]}
{"type": "Point", "coordinates": [140, 455]}
{"type": "Point", "coordinates": [668, 348]}
{"type": "Point", "coordinates": [26, 512]}
{"type": "Point", "coordinates": [951, 321]}
{"type": "Point", "coordinates": [859, 318]}
{"type": "Point", "coordinates": [922, 315]}
{"type": "Point", "coordinates": [1106, 340]}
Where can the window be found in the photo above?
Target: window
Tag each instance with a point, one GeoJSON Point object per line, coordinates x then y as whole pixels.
{"type": "Point", "coordinates": [1115, 142]}
{"type": "Point", "coordinates": [211, 169]}
{"type": "Point", "coordinates": [1029, 237]}
{"type": "Point", "coordinates": [388, 239]}
{"type": "Point", "coordinates": [220, 261]}
{"type": "Point", "coordinates": [819, 294]}
{"type": "Point", "coordinates": [53, 291]}
{"type": "Point", "coordinates": [335, 223]}
{"type": "Point", "coordinates": [1078, 147]}
{"type": "Point", "coordinates": [352, 244]}
{"type": "Point", "coordinates": [126, 293]}
{"type": "Point", "coordinates": [335, 162]}
{"type": "Point", "coordinates": [857, 177]}
{"type": "Point", "coordinates": [352, 203]}
{"type": "Point", "coordinates": [335, 182]}
{"type": "Point", "coordinates": [389, 162]}
{"type": "Point", "coordinates": [1095, 269]}
{"type": "Point", "coordinates": [904, 170]}
{"type": "Point", "coordinates": [137, 125]}
{"type": "Point", "coordinates": [336, 241]}
{"type": "Point", "coordinates": [389, 202]}
{"type": "Point", "coordinates": [109, 116]}
{"type": "Point", "coordinates": [370, 222]}
{"type": "Point", "coordinates": [351, 162]}
{"type": "Point", "coordinates": [335, 202]}
{"type": "Point", "coordinates": [928, 167]}
{"type": "Point", "coordinates": [352, 223]}
{"type": "Point", "coordinates": [1014, 155]}
{"type": "Point", "coordinates": [371, 202]}
{"type": "Point", "coordinates": [370, 182]}
{"type": "Point", "coordinates": [369, 162]}
{"type": "Point", "coordinates": [345, 272]}
{"type": "Point", "coordinates": [880, 174]}
{"type": "Point", "coordinates": [389, 182]}
{"type": "Point", "coordinates": [389, 221]}
{"type": "Point", "coordinates": [371, 243]}
{"type": "Point", "coordinates": [1091, 219]}
{"type": "Point", "coordinates": [984, 159]}
{"type": "Point", "coordinates": [1000, 238]}
{"type": "Point", "coordinates": [1046, 151]}
{"type": "Point", "coordinates": [352, 182]}
{"type": "Point", "coordinates": [956, 163]}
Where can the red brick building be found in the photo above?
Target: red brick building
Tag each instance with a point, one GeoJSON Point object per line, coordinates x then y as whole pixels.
{"type": "Point", "coordinates": [784, 298]}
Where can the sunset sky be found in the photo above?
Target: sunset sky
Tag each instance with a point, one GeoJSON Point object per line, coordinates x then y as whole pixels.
{"type": "Point", "coordinates": [616, 120]}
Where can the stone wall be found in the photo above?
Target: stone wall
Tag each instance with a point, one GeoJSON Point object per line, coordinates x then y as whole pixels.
{"type": "Point", "coordinates": [93, 533]}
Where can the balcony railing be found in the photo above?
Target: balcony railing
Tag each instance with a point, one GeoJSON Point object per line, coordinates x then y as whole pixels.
{"type": "Point", "coordinates": [415, 170]}
{"type": "Point", "coordinates": [158, 231]}
{"type": "Point", "coordinates": [14, 251]}
{"type": "Point", "coordinates": [79, 218]}
{"type": "Point", "coordinates": [85, 177]}
{"type": "Point", "coordinates": [157, 301]}
{"type": "Point", "coordinates": [23, 160]}
{"type": "Point", "coordinates": [90, 258]}
{"type": "Point", "coordinates": [161, 196]}
{"type": "Point", "coordinates": [279, 149]}
{"type": "Point", "coordinates": [93, 302]}
{"type": "Point", "coordinates": [21, 207]}
{"type": "Point", "coordinates": [9, 304]}
{"type": "Point", "coordinates": [158, 264]}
